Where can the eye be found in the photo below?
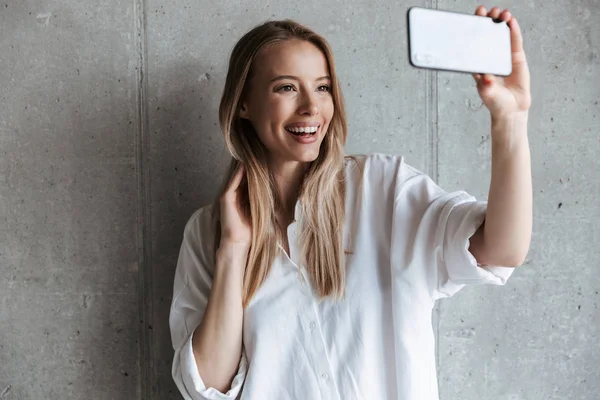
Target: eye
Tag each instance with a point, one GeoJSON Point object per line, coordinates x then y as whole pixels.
{"type": "Point", "coordinates": [324, 88]}
{"type": "Point", "coordinates": [285, 88]}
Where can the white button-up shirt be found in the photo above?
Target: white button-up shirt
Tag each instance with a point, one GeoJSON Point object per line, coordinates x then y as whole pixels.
{"type": "Point", "coordinates": [410, 241]}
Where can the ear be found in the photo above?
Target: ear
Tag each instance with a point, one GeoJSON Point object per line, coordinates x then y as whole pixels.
{"type": "Point", "coordinates": [244, 114]}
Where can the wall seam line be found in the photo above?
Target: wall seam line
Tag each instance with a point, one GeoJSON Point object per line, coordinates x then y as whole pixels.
{"type": "Point", "coordinates": [146, 365]}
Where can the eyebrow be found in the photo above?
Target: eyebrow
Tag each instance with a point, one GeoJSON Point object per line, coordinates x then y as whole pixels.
{"type": "Point", "coordinates": [282, 77]}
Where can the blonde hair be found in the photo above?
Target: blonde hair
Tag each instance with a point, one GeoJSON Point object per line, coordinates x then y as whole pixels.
{"type": "Point", "coordinates": [322, 192]}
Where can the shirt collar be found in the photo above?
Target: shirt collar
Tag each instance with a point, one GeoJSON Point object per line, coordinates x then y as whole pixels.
{"type": "Point", "coordinates": [297, 211]}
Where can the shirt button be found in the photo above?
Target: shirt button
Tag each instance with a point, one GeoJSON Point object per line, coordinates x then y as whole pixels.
{"type": "Point", "coordinates": [325, 376]}
{"type": "Point", "coordinates": [313, 325]}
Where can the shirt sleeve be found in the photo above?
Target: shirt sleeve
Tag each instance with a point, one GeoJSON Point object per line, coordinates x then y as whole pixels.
{"type": "Point", "coordinates": [439, 225]}
{"type": "Point", "coordinates": [191, 289]}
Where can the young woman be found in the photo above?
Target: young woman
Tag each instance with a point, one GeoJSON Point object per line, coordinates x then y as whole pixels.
{"type": "Point", "coordinates": [313, 275]}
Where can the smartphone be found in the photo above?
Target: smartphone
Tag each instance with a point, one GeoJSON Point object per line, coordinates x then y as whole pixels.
{"type": "Point", "coordinates": [451, 41]}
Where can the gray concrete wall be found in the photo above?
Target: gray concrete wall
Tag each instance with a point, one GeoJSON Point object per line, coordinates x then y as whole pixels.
{"type": "Point", "coordinates": [109, 141]}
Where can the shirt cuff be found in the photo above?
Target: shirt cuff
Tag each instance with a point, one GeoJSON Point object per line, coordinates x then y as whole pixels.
{"type": "Point", "coordinates": [195, 385]}
{"type": "Point", "coordinates": [464, 220]}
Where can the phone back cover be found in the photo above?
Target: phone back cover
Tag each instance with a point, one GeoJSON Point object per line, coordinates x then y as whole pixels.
{"type": "Point", "coordinates": [458, 42]}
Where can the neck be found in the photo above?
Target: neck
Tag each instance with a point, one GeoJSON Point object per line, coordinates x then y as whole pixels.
{"type": "Point", "coordinates": [288, 178]}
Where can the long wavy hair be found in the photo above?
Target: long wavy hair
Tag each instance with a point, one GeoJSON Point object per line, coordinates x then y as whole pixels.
{"type": "Point", "coordinates": [322, 192]}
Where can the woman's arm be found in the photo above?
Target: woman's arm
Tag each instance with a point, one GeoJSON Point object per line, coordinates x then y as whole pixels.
{"type": "Point", "coordinates": [217, 341]}
{"type": "Point", "coordinates": [504, 237]}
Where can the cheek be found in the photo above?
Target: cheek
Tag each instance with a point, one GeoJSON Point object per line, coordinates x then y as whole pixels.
{"type": "Point", "coordinates": [328, 110]}
{"type": "Point", "coordinates": [267, 116]}
{"type": "Point", "coordinates": [277, 110]}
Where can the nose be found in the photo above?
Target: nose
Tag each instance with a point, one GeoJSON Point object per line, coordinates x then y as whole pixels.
{"type": "Point", "coordinates": [309, 105]}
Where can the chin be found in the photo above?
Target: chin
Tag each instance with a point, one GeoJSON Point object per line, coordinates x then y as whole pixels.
{"type": "Point", "coordinates": [309, 155]}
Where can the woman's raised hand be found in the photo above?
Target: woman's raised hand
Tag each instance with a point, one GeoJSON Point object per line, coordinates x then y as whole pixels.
{"type": "Point", "coordinates": [236, 227]}
{"type": "Point", "coordinates": [506, 96]}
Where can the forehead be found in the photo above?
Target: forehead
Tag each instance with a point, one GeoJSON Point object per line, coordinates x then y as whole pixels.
{"type": "Point", "coordinates": [292, 57]}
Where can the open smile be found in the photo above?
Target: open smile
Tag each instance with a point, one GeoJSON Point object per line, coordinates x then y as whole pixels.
{"type": "Point", "coordinates": [303, 131]}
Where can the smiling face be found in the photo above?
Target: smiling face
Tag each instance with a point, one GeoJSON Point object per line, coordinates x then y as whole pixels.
{"type": "Point", "coordinates": [288, 97]}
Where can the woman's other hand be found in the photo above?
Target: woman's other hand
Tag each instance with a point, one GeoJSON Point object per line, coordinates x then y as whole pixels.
{"type": "Point", "coordinates": [235, 224]}
{"type": "Point", "coordinates": [505, 96]}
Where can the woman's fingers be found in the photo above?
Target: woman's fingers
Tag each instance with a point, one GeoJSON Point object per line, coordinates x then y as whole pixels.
{"type": "Point", "coordinates": [235, 224]}
{"type": "Point", "coordinates": [494, 13]}
{"type": "Point", "coordinates": [236, 179]}
{"type": "Point", "coordinates": [505, 15]}
{"type": "Point", "coordinates": [481, 11]}
{"type": "Point", "coordinates": [516, 37]}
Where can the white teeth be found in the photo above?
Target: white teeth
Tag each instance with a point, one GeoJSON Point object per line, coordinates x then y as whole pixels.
{"type": "Point", "coordinates": [308, 129]}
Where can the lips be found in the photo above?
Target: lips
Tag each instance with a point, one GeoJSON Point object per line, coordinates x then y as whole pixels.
{"type": "Point", "coordinates": [305, 137]}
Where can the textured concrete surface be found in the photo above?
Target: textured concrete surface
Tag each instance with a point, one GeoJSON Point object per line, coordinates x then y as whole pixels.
{"type": "Point", "coordinates": [69, 263]}
{"type": "Point", "coordinates": [537, 337]}
{"type": "Point", "coordinates": [109, 141]}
